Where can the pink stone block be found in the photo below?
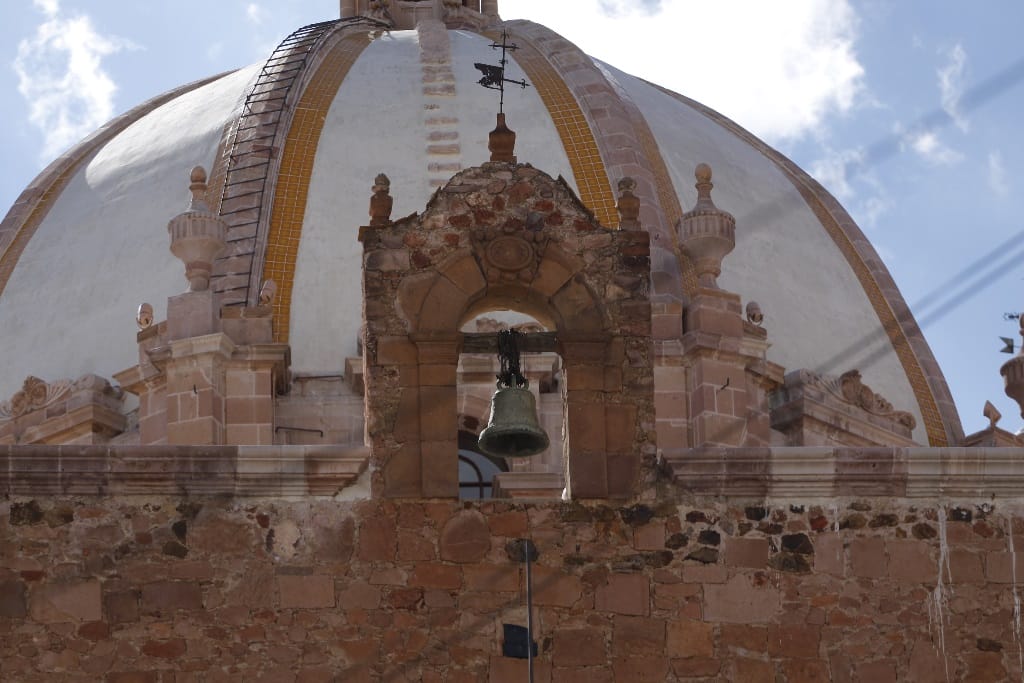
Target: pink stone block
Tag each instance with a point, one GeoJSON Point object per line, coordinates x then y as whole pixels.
{"type": "Point", "coordinates": [305, 592]}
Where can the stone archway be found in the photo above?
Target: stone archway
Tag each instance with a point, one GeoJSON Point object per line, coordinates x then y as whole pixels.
{"type": "Point", "coordinates": [505, 235]}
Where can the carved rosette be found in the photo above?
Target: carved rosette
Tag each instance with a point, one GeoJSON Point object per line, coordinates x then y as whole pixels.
{"type": "Point", "coordinates": [34, 394]}
{"type": "Point", "coordinates": [510, 253]}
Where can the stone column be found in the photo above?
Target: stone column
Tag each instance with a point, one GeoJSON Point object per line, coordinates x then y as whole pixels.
{"type": "Point", "coordinates": [438, 417]}
{"type": "Point", "coordinates": [587, 461]}
{"type": "Point", "coordinates": [725, 404]}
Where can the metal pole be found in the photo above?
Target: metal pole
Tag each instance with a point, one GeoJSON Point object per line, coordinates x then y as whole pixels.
{"type": "Point", "coordinates": [529, 609]}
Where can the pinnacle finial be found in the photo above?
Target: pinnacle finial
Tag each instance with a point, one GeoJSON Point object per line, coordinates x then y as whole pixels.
{"type": "Point", "coordinates": [502, 142]}
{"type": "Point", "coordinates": [1013, 375]}
{"type": "Point", "coordinates": [197, 235]}
{"type": "Point", "coordinates": [381, 201]}
{"type": "Point", "coordinates": [628, 205]}
{"type": "Point", "coordinates": [707, 234]}
{"type": "Point", "coordinates": [197, 185]}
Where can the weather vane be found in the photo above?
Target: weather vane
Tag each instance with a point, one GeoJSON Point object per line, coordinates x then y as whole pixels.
{"type": "Point", "coordinates": [494, 76]}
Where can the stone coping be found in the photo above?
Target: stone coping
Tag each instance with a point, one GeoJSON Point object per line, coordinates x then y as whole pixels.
{"type": "Point", "coordinates": [809, 473]}
{"type": "Point", "coordinates": [798, 474]}
{"type": "Point", "coordinates": [234, 471]}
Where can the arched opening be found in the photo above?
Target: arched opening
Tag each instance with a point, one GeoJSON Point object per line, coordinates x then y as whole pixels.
{"type": "Point", "coordinates": [476, 382]}
{"type": "Point", "coordinates": [476, 470]}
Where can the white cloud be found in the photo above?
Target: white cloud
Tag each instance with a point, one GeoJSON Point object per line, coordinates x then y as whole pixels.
{"type": "Point", "coordinates": [951, 85]}
{"type": "Point", "coordinates": [61, 75]}
{"type": "Point", "coordinates": [932, 149]}
{"type": "Point", "coordinates": [997, 179]}
{"type": "Point", "coordinates": [779, 69]}
{"type": "Point", "coordinates": [843, 174]}
{"type": "Point", "coordinates": [255, 13]}
{"type": "Point", "coordinates": [47, 7]}
{"type": "Point", "coordinates": [834, 171]}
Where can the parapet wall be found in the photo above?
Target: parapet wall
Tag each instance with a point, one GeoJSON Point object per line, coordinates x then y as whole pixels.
{"type": "Point", "coordinates": [178, 585]}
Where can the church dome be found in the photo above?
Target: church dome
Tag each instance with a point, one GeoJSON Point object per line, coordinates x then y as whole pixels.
{"type": "Point", "coordinates": [292, 147]}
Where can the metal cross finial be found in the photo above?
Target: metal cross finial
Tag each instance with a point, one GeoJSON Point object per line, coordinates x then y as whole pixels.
{"type": "Point", "coordinates": [494, 76]}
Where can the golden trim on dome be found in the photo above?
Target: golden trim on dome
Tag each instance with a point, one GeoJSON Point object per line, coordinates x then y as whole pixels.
{"type": "Point", "coordinates": [935, 422]}
{"type": "Point", "coordinates": [573, 129]}
{"type": "Point", "coordinates": [295, 173]}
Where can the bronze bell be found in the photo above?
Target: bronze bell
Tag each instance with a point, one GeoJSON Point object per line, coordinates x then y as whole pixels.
{"type": "Point", "coordinates": [514, 430]}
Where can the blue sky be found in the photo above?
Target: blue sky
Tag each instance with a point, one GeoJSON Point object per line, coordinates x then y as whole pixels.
{"type": "Point", "coordinates": [908, 111]}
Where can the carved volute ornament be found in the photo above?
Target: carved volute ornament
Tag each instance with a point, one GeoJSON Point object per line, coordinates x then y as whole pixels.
{"type": "Point", "coordinates": [381, 201]}
{"type": "Point", "coordinates": [34, 394]}
{"type": "Point", "coordinates": [502, 142]}
{"type": "Point", "coordinates": [1013, 375]}
{"type": "Point", "coordinates": [850, 388]}
{"type": "Point", "coordinates": [198, 235]}
{"type": "Point", "coordinates": [628, 205]}
{"type": "Point", "coordinates": [707, 234]}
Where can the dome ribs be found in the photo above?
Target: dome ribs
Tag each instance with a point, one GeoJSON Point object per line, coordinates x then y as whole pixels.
{"type": "Point", "coordinates": [607, 138]}
{"type": "Point", "coordinates": [939, 413]}
{"type": "Point", "coordinates": [250, 158]}
{"type": "Point", "coordinates": [279, 227]}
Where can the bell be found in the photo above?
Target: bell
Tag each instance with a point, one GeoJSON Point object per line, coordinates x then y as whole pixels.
{"type": "Point", "coordinates": [514, 430]}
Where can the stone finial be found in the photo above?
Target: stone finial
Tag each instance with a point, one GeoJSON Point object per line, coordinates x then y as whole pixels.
{"type": "Point", "coordinates": [197, 186]}
{"type": "Point", "coordinates": [198, 235]}
{"type": "Point", "coordinates": [502, 142]}
{"type": "Point", "coordinates": [144, 316]}
{"type": "Point", "coordinates": [628, 205]}
{"type": "Point", "coordinates": [1013, 375]}
{"type": "Point", "coordinates": [992, 414]}
{"type": "Point", "coordinates": [268, 292]}
{"type": "Point", "coordinates": [707, 234]}
{"type": "Point", "coordinates": [754, 313]}
{"type": "Point", "coordinates": [381, 201]}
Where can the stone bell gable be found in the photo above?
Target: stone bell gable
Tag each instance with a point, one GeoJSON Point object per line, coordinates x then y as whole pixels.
{"type": "Point", "coordinates": [504, 236]}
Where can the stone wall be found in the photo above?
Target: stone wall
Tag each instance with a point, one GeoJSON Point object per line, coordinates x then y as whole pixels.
{"type": "Point", "coordinates": [220, 589]}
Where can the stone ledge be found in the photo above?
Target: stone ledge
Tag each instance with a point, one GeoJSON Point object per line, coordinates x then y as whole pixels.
{"type": "Point", "coordinates": [234, 471]}
{"type": "Point", "coordinates": [808, 473]}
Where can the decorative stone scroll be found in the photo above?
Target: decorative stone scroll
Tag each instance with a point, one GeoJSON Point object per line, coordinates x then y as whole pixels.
{"type": "Point", "coordinates": [34, 394]}
{"type": "Point", "coordinates": [814, 409]}
{"type": "Point", "coordinates": [852, 389]}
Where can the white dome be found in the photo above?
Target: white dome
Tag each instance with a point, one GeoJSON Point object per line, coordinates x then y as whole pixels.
{"type": "Point", "coordinates": [87, 243]}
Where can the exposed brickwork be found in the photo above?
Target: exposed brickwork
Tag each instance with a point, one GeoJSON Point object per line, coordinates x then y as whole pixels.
{"type": "Point", "coordinates": [866, 596]}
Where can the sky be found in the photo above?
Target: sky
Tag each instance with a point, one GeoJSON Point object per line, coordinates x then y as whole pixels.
{"type": "Point", "coordinates": [908, 111]}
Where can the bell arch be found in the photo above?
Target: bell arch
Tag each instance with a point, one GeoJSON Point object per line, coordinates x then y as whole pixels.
{"type": "Point", "coordinates": [505, 236]}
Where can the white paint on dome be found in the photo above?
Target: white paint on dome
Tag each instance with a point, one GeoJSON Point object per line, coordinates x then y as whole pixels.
{"type": "Point", "coordinates": [69, 306]}
{"type": "Point", "coordinates": [376, 124]}
{"type": "Point", "coordinates": [816, 312]}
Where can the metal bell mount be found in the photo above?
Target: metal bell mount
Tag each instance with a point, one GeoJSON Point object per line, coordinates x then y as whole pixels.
{"type": "Point", "coordinates": [513, 430]}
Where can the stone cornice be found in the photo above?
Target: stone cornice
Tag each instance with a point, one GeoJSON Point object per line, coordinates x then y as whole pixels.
{"type": "Point", "coordinates": [233, 471]}
{"type": "Point", "coordinates": [812, 473]}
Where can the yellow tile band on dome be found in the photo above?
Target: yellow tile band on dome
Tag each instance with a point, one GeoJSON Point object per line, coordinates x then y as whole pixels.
{"type": "Point", "coordinates": [577, 138]}
{"type": "Point", "coordinates": [296, 170]}
{"type": "Point", "coordinates": [668, 199]}
{"type": "Point", "coordinates": [934, 424]}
